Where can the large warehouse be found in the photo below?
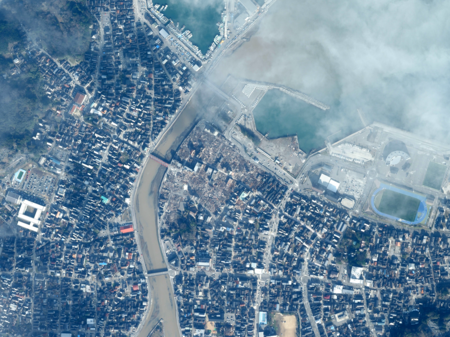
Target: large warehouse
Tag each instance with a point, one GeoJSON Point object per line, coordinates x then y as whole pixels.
{"type": "Point", "coordinates": [328, 183]}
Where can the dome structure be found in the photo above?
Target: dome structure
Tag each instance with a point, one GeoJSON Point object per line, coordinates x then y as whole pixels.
{"type": "Point", "coordinates": [395, 152]}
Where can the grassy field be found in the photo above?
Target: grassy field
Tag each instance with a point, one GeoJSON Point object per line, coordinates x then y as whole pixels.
{"type": "Point", "coordinates": [398, 205]}
{"type": "Point", "coordinates": [19, 177]}
{"type": "Point", "coordinates": [434, 176]}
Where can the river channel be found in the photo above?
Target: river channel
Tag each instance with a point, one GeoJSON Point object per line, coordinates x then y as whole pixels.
{"type": "Point", "coordinates": [163, 305]}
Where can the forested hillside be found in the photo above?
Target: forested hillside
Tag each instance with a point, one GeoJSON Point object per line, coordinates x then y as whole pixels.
{"type": "Point", "coordinates": [62, 29]}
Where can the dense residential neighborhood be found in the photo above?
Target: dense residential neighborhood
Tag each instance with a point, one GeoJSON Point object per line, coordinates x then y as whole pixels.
{"type": "Point", "coordinates": [81, 272]}
{"type": "Point", "coordinates": [273, 250]}
{"type": "Point", "coordinates": [255, 242]}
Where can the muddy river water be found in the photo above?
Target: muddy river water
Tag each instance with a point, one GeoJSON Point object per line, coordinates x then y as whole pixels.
{"type": "Point", "coordinates": [203, 104]}
{"type": "Point", "coordinates": [163, 304]}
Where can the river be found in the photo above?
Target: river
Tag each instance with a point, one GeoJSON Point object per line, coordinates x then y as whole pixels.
{"type": "Point", "coordinates": [203, 104]}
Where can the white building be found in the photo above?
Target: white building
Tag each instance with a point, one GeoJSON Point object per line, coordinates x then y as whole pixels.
{"type": "Point", "coordinates": [328, 183]}
{"type": "Point", "coordinates": [356, 275]}
{"type": "Point", "coordinates": [29, 215]}
{"type": "Point", "coordinates": [324, 180]}
{"type": "Point", "coordinates": [164, 33]}
{"type": "Point", "coordinates": [333, 186]}
{"type": "Point", "coordinates": [13, 197]}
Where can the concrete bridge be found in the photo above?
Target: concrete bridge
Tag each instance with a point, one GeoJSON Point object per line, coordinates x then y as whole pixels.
{"type": "Point", "coordinates": [158, 272]}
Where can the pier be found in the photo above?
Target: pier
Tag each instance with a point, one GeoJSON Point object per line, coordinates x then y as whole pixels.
{"type": "Point", "coordinates": [294, 93]}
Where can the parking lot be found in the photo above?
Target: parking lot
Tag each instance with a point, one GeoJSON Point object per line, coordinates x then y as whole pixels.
{"type": "Point", "coordinates": [39, 183]}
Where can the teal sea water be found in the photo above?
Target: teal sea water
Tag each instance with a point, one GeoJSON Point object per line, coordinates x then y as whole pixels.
{"type": "Point", "coordinates": [200, 17]}
{"type": "Point", "coordinates": [279, 115]}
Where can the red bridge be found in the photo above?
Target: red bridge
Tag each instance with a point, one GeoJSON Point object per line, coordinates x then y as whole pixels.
{"type": "Point", "coordinates": [159, 161]}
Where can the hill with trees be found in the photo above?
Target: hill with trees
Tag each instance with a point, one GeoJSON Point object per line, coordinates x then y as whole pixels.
{"type": "Point", "coordinates": [62, 29]}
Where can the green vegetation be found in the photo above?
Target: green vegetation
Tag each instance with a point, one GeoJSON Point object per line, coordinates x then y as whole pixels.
{"type": "Point", "coordinates": [60, 26]}
{"type": "Point", "coordinates": [271, 320]}
{"type": "Point", "coordinates": [9, 33]}
{"type": "Point", "coordinates": [349, 249]}
{"type": "Point", "coordinates": [440, 316]}
{"type": "Point", "coordinates": [398, 205]}
{"type": "Point", "coordinates": [443, 289]}
{"type": "Point", "coordinates": [91, 119]}
{"type": "Point", "coordinates": [5, 63]}
{"type": "Point", "coordinates": [185, 226]}
{"type": "Point", "coordinates": [421, 330]}
{"type": "Point", "coordinates": [22, 101]}
{"type": "Point", "coordinates": [124, 158]}
{"type": "Point", "coordinates": [79, 12]}
{"type": "Point", "coordinates": [249, 134]}
{"type": "Point", "coordinates": [435, 175]}
{"type": "Point", "coordinates": [256, 225]}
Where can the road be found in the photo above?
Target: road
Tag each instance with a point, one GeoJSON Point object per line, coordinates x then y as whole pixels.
{"type": "Point", "coordinates": [304, 282]}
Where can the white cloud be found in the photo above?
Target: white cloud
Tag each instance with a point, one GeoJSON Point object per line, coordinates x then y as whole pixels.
{"type": "Point", "coordinates": [390, 59]}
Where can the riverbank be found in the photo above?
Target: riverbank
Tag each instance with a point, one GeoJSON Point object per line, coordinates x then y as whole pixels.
{"type": "Point", "coordinates": [146, 217]}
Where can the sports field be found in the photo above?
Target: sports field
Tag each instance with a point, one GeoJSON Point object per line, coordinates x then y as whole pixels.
{"type": "Point", "coordinates": [287, 325]}
{"type": "Point", "coordinates": [434, 176]}
{"type": "Point", "coordinates": [398, 205]}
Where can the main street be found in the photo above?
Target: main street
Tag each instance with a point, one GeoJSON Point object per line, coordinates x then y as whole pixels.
{"type": "Point", "coordinates": [304, 282]}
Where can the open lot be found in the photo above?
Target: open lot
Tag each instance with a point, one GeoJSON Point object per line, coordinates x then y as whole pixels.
{"type": "Point", "coordinates": [287, 325]}
{"type": "Point", "coordinates": [435, 175]}
{"type": "Point", "coordinates": [211, 326]}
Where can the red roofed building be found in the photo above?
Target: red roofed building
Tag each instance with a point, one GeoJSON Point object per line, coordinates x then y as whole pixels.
{"type": "Point", "coordinates": [79, 98]}
{"type": "Point", "coordinates": [135, 287]}
{"type": "Point", "coordinates": [126, 229]}
{"type": "Point", "coordinates": [76, 110]}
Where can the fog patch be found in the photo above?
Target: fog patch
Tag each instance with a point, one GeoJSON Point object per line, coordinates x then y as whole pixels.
{"type": "Point", "coordinates": [390, 59]}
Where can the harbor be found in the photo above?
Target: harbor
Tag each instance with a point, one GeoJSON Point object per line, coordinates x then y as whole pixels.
{"type": "Point", "coordinates": [200, 18]}
{"type": "Point", "coordinates": [280, 114]}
